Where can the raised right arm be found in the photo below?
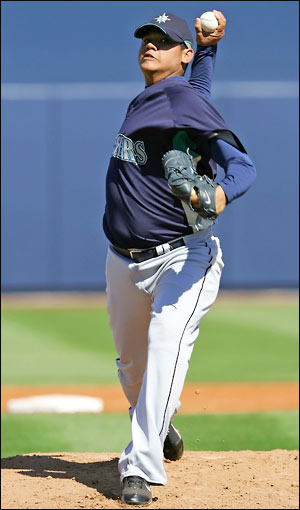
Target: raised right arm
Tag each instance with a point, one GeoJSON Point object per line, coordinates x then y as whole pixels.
{"type": "Point", "coordinates": [205, 57]}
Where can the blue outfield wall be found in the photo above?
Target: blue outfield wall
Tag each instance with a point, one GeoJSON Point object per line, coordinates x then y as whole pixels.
{"type": "Point", "coordinates": [69, 70]}
{"type": "Point", "coordinates": [55, 151]}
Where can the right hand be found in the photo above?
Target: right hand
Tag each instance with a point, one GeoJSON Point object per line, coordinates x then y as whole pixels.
{"type": "Point", "coordinates": [204, 39]}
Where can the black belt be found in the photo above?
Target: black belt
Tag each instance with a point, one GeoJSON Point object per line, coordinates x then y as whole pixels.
{"type": "Point", "coordinates": [142, 255]}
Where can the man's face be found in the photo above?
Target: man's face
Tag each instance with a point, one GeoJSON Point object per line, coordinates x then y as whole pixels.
{"type": "Point", "coordinates": [160, 57]}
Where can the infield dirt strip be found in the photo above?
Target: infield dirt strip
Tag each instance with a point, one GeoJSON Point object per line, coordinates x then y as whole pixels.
{"type": "Point", "coordinates": [195, 398]}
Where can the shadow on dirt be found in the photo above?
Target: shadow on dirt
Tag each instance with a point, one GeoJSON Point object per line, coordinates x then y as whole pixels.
{"type": "Point", "coordinates": [102, 475]}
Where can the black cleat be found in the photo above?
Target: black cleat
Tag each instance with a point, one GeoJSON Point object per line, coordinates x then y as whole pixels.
{"type": "Point", "coordinates": [136, 491]}
{"type": "Point", "coordinates": [173, 445]}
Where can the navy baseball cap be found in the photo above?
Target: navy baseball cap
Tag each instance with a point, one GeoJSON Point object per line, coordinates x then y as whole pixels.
{"type": "Point", "coordinates": [173, 26]}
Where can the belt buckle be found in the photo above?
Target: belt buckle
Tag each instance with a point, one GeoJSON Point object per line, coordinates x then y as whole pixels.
{"type": "Point", "coordinates": [131, 252]}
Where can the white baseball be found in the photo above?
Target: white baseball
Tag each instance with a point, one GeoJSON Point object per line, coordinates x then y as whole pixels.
{"type": "Point", "coordinates": [209, 22]}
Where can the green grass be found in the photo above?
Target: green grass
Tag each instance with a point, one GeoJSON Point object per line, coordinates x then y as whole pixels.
{"type": "Point", "coordinates": [57, 347]}
{"type": "Point", "coordinates": [249, 431]}
{"type": "Point", "coordinates": [237, 342]}
{"type": "Point", "coordinates": [247, 343]}
{"type": "Point", "coordinates": [111, 432]}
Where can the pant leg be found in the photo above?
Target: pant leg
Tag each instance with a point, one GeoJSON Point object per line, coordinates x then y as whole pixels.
{"type": "Point", "coordinates": [183, 294]}
{"type": "Point", "coordinates": [129, 310]}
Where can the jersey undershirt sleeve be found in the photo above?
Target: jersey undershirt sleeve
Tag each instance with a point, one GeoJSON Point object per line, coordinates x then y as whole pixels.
{"type": "Point", "coordinates": [202, 70]}
{"type": "Point", "coordinates": [240, 171]}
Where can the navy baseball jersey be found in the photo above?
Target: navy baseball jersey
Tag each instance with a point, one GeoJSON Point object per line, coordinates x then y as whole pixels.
{"type": "Point", "coordinates": [141, 210]}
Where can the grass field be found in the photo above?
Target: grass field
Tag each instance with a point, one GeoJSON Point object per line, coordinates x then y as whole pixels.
{"type": "Point", "coordinates": [245, 341]}
{"type": "Point", "coordinates": [111, 432]}
{"type": "Point", "coordinates": [74, 346]}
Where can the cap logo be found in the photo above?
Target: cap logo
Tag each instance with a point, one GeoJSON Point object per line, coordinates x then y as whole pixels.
{"type": "Point", "coordinates": [162, 18]}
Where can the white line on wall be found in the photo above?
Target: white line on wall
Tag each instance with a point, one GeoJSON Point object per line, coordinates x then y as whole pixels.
{"type": "Point", "coordinates": [128, 90]}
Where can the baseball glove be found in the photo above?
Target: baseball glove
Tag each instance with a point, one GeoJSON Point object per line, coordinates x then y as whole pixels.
{"type": "Point", "coordinates": [182, 178]}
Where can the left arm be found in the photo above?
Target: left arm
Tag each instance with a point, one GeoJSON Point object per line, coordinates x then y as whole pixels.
{"type": "Point", "coordinates": [240, 173]}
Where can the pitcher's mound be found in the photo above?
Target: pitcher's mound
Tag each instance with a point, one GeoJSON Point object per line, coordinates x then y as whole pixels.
{"type": "Point", "coordinates": [243, 479]}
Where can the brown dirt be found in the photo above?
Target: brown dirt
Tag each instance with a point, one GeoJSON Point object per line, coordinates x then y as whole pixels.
{"type": "Point", "coordinates": [195, 398]}
{"type": "Point", "coordinates": [279, 297]}
{"type": "Point", "coordinates": [243, 479]}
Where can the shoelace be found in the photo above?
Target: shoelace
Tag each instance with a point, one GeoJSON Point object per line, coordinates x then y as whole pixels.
{"type": "Point", "coordinates": [134, 481]}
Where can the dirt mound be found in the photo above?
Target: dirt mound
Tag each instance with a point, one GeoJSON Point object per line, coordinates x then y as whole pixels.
{"type": "Point", "coordinates": [243, 479]}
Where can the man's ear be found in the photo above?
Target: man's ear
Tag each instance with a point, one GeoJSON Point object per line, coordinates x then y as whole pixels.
{"type": "Point", "coordinates": [187, 55]}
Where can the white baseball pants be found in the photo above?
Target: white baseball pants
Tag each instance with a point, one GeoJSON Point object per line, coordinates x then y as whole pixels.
{"type": "Point", "coordinates": [155, 308]}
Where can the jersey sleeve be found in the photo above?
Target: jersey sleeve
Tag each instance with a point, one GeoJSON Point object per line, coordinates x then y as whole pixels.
{"type": "Point", "coordinates": [192, 110]}
{"type": "Point", "coordinates": [202, 71]}
{"type": "Point", "coordinates": [240, 171]}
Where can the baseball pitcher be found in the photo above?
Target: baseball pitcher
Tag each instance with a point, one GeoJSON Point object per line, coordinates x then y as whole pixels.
{"type": "Point", "coordinates": [164, 264]}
